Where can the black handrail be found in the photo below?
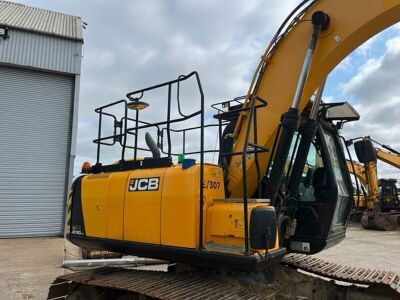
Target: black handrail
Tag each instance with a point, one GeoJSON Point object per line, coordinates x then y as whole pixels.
{"type": "Point", "coordinates": [121, 136]}
{"type": "Point", "coordinates": [180, 78]}
{"type": "Point", "coordinates": [184, 131]}
{"type": "Point", "coordinates": [135, 96]}
{"type": "Point", "coordinates": [251, 107]}
{"type": "Point", "coordinates": [238, 100]}
{"type": "Point", "coordinates": [251, 119]}
{"type": "Point", "coordinates": [226, 110]}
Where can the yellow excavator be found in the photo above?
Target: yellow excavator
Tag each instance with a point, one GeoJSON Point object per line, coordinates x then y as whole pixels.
{"type": "Point", "coordinates": [360, 189]}
{"type": "Point", "coordinates": [381, 208]}
{"type": "Point", "coordinates": [281, 184]}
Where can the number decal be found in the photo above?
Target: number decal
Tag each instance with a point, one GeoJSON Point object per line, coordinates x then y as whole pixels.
{"type": "Point", "coordinates": [212, 185]}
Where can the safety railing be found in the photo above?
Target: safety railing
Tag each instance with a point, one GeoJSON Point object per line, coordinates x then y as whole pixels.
{"type": "Point", "coordinates": [254, 148]}
{"type": "Point", "coordinates": [227, 111]}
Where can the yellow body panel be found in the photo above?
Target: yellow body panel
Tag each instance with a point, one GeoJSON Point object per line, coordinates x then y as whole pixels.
{"type": "Point", "coordinates": [225, 223]}
{"type": "Point", "coordinates": [180, 203]}
{"type": "Point", "coordinates": [95, 190]}
{"type": "Point", "coordinates": [167, 215]}
{"type": "Point", "coordinates": [142, 209]}
{"type": "Point", "coordinates": [115, 211]}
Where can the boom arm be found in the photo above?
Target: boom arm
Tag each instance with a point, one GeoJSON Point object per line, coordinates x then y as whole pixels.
{"type": "Point", "coordinates": [275, 80]}
{"type": "Point", "coordinates": [390, 158]}
{"type": "Point", "coordinates": [372, 173]}
{"type": "Point", "coordinates": [373, 184]}
{"type": "Point", "coordinates": [359, 171]}
{"type": "Point", "coordinates": [368, 176]}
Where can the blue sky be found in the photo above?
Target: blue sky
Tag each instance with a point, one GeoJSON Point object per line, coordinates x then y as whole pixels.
{"type": "Point", "coordinates": [133, 44]}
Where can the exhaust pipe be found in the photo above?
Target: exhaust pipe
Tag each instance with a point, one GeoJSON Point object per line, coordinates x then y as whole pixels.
{"type": "Point", "coordinates": [69, 263]}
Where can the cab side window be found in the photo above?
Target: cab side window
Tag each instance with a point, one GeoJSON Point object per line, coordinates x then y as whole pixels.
{"type": "Point", "coordinates": [313, 164]}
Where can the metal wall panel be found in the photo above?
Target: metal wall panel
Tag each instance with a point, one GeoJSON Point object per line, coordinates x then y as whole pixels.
{"type": "Point", "coordinates": [41, 51]}
{"type": "Point", "coordinates": [40, 20]}
{"type": "Point", "coordinates": [35, 123]}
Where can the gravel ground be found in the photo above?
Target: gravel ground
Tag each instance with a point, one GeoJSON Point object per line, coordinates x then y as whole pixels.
{"type": "Point", "coordinates": [367, 248]}
{"type": "Point", "coordinates": [28, 266]}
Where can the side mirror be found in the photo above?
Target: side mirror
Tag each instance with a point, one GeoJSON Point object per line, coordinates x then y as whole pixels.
{"type": "Point", "coordinates": [365, 151]}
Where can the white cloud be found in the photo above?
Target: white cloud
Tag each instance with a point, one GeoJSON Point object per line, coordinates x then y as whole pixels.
{"type": "Point", "coordinates": [366, 70]}
{"type": "Point", "coordinates": [134, 44]}
{"type": "Point", "coordinates": [378, 77]}
{"type": "Point", "coordinates": [393, 46]}
{"type": "Point", "coordinates": [376, 93]}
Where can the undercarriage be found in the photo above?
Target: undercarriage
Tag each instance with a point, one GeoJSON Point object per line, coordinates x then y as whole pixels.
{"type": "Point", "coordinates": [297, 277]}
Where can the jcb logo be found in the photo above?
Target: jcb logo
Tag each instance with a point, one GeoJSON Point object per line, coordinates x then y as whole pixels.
{"type": "Point", "coordinates": [144, 184]}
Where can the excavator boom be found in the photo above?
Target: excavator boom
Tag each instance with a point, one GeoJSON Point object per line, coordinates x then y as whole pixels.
{"type": "Point", "coordinates": [359, 171]}
{"type": "Point", "coordinates": [390, 158]}
{"type": "Point", "coordinates": [275, 80]}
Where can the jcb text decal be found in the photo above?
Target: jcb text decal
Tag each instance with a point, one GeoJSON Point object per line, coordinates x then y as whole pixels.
{"type": "Point", "coordinates": [144, 184]}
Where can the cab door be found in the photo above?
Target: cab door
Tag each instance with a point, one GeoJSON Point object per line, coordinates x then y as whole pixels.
{"type": "Point", "coordinates": [325, 196]}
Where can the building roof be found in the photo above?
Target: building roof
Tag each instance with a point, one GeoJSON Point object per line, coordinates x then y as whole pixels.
{"type": "Point", "coordinates": [39, 20]}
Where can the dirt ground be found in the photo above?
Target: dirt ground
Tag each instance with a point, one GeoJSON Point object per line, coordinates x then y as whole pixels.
{"type": "Point", "coordinates": [28, 266]}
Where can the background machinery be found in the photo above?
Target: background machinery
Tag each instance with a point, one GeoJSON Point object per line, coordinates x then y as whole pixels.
{"type": "Point", "coordinates": [381, 207]}
{"type": "Point", "coordinates": [360, 189]}
{"type": "Point", "coordinates": [281, 185]}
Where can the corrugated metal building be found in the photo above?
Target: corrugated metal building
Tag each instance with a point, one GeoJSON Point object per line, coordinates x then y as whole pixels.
{"type": "Point", "coordinates": [40, 63]}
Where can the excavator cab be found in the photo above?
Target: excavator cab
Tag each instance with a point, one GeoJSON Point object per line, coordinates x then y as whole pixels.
{"type": "Point", "coordinates": [323, 205]}
{"type": "Point", "coordinates": [325, 192]}
{"type": "Point", "coordinates": [323, 200]}
{"type": "Point", "coordinates": [388, 196]}
{"type": "Point", "coordinates": [315, 195]}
